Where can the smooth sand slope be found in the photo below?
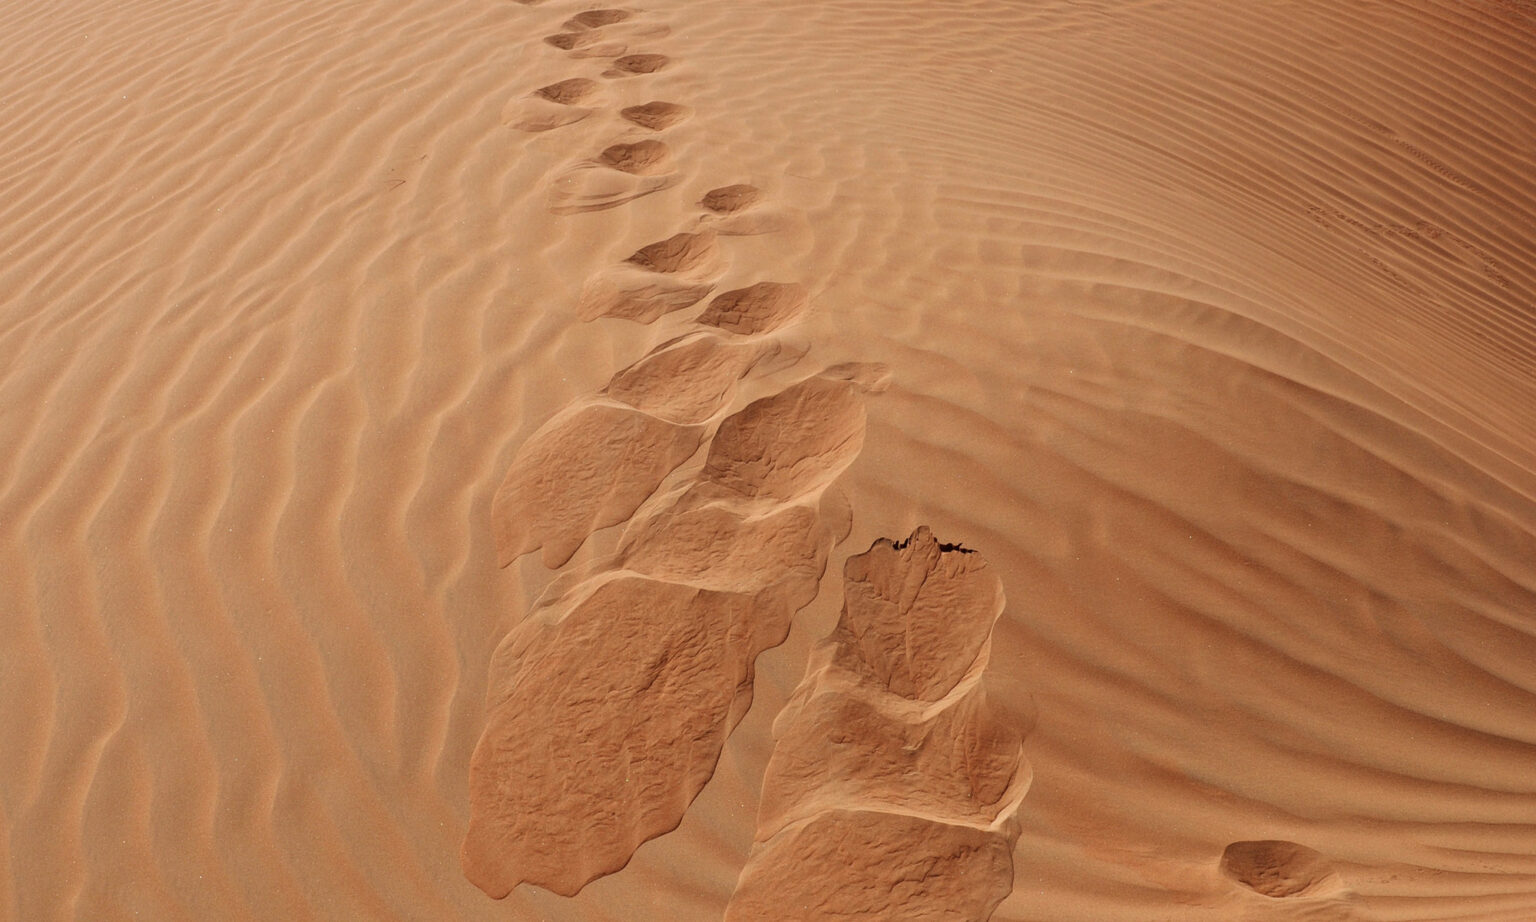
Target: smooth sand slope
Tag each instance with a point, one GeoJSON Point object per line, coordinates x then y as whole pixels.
{"type": "Point", "coordinates": [388, 387]}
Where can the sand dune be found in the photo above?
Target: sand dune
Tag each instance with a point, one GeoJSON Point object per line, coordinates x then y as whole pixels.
{"type": "Point", "coordinates": [436, 436]}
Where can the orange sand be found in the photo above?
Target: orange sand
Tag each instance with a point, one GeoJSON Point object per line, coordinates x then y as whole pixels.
{"type": "Point", "coordinates": [1208, 325]}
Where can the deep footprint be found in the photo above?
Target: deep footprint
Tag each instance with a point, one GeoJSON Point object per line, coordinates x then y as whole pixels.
{"type": "Point", "coordinates": [642, 158]}
{"type": "Point", "coordinates": [569, 92]}
{"type": "Point", "coordinates": [631, 65]}
{"type": "Point", "coordinates": [1279, 869]}
{"type": "Point", "coordinates": [587, 469]}
{"type": "Point", "coordinates": [730, 199]}
{"type": "Point", "coordinates": [656, 115]}
{"type": "Point", "coordinates": [757, 309]}
{"type": "Point", "coordinates": [685, 252]}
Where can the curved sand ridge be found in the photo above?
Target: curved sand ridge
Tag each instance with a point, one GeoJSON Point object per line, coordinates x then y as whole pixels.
{"type": "Point", "coordinates": [893, 787]}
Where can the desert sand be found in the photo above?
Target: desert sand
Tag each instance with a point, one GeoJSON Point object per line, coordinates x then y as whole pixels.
{"type": "Point", "coordinates": [1059, 461]}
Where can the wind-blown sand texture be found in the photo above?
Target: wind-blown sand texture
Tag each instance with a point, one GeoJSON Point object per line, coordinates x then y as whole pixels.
{"type": "Point", "coordinates": [324, 327]}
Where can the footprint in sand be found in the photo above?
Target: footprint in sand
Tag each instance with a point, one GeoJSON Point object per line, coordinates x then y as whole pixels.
{"type": "Point", "coordinates": [891, 776]}
{"type": "Point", "coordinates": [588, 468]}
{"type": "Point", "coordinates": [586, 44]}
{"type": "Point", "coordinates": [1280, 870]}
{"type": "Point", "coordinates": [596, 19]}
{"type": "Point", "coordinates": [641, 158]}
{"type": "Point", "coordinates": [733, 211]}
{"type": "Point", "coordinates": [756, 309]}
{"type": "Point", "coordinates": [552, 106]}
{"type": "Point", "coordinates": [628, 682]}
{"type": "Point", "coordinates": [689, 379]}
{"type": "Point", "coordinates": [594, 464]}
{"type": "Point", "coordinates": [656, 115]}
{"type": "Point", "coordinates": [659, 278]}
{"type": "Point", "coordinates": [634, 65]}
{"type": "Point", "coordinates": [620, 173]}
{"type": "Point", "coordinates": [728, 200]}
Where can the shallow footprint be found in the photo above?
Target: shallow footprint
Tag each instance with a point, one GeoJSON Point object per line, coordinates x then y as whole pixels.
{"type": "Point", "coordinates": [656, 115]}
{"type": "Point", "coordinates": [632, 65]}
{"type": "Point", "coordinates": [587, 469]}
{"type": "Point", "coordinates": [551, 106]}
{"type": "Point", "coordinates": [1279, 869]}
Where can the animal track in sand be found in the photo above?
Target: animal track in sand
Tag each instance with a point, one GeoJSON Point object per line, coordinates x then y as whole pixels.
{"type": "Point", "coordinates": [631, 65]}
{"type": "Point", "coordinates": [1279, 869]}
{"type": "Point", "coordinates": [730, 199]}
{"type": "Point", "coordinates": [756, 309]}
{"type": "Point", "coordinates": [587, 469]}
{"type": "Point", "coordinates": [593, 19]}
{"type": "Point", "coordinates": [891, 776]}
{"type": "Point", "coordinates": [642, 158]}
{"type": "Point", "coordinates": [656, 115]}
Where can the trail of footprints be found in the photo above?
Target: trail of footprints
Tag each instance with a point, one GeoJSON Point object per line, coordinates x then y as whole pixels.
{"type": "Point", "coordinates": [610, 703]}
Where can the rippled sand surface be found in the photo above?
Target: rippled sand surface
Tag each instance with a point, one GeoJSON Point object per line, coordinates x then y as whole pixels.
{"type": "Point", "coordinates": [1068, 460]}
